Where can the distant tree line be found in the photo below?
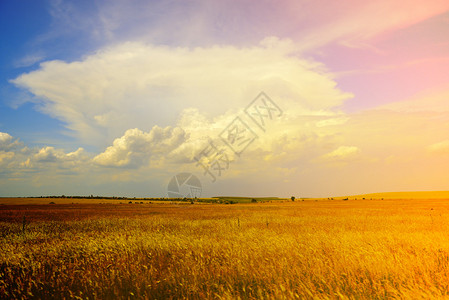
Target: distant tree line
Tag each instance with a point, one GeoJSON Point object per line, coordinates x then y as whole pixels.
{"type": "Point", "coordinates": [111, 197]}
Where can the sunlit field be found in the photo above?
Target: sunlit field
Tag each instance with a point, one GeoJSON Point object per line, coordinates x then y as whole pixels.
{"type": "Point", "coordinates": [326, 249]}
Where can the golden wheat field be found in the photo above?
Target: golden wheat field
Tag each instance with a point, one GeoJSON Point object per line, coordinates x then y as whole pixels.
{"type": "Point", "coordinates": [327, 249]}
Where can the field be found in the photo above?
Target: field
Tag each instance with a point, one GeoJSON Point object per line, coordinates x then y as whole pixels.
{"type": "Point", "coordinates": [326, 249]}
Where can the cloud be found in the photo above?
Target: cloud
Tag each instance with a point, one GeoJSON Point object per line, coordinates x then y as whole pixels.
{"type": "Point", "coordinates": [441, 147]}
{"type": "Point", "coordinates": [7, 142]}
{"type": "Point", "coordinates": [18, 160]}
{"type": "Point", "coordinates": [5, 139]}
{"type": "Point", "coordinates": [135, 147]}
{"type": "Point", "coordinates": [356, 23]}
{"type": "Point", "coordinates": [29, 60]}
{"type": "Point", "coordinates": [294, 148]}
{"type": "Point", "coordinates": [433, 101]}
{"type": "Point", "coordinates": [342, 153]}
{"type": "Point", "coordinates": [5, 157]}
{"type": "Point", "coordinates": [50, 154]}
{"type": "Point", "coordinates": [136, 85]}
{"type": "Point", "coordinates": [240, 22]}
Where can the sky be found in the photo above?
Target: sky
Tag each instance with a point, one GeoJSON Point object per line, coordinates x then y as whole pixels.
{"type": "Point", "coordinates": [252, 98]}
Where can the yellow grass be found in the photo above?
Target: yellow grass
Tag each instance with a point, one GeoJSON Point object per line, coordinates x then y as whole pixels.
{"type": "Point", "coordinates": [379, 249]}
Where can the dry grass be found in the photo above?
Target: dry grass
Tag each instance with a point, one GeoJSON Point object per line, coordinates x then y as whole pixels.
{"type": "Point", "coordinates": [314, 250]}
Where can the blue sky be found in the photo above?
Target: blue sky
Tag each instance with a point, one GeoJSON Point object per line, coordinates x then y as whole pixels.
{"type": "Point", "coordinates": [26, 28]}
{"type": "Point", "coordinates": [115, 98]}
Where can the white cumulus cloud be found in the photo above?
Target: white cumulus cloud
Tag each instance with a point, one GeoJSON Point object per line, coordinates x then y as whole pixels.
{"type": "Point", "coordinates": [136, 147]}
{"type": "Point", "coordinates": [51, 154]}
{"type": "Point", "coordinates": [137, 85]}
{"type": "Point", "coordinates": [7, 142]}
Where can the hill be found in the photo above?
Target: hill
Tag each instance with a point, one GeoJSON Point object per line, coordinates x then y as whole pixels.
{"type": "Point", "coordinates": [405, 195]}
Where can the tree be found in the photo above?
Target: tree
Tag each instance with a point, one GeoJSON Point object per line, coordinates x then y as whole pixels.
{"type": "Point", "coordinates": [293, 198]}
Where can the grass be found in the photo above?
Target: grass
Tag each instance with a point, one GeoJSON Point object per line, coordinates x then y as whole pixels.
{"type": "Point", "coordinates": [379, 249]}
{"type": "Point", "coordinates": [115, 200]}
